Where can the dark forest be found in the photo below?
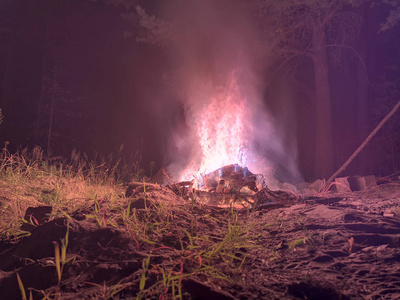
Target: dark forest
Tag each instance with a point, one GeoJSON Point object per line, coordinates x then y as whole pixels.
{"type": "Point", "coordinates": [93, 75]}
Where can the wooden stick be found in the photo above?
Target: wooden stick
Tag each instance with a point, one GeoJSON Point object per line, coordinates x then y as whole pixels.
{"type": "Point", "coordinates": [359, 149]}
{"type": "Point", "coordinates": [135, 184]}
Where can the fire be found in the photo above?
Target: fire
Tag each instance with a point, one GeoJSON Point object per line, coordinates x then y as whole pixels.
{"type": "Point", "coordinates": [221, 123]}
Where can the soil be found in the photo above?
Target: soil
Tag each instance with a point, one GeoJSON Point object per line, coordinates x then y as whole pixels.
{"type": "Point", "coordinates": [327, 246]}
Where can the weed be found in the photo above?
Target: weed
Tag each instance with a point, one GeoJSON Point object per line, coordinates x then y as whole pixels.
{"type": "Point", "coordinates": [108, 293]}
{"type": "Point", "coordinates": [22, 288]}
{"type": "Point", "coordinates": [196, 254]}
{"type": "Point", "coordinates": [60, 256]}
{"type": "Point", "coordinates": [49, 197]}
{"type": "Point", "coordinates": [145, 266]}
{"type": "Point", "coordinates": [295, 243]}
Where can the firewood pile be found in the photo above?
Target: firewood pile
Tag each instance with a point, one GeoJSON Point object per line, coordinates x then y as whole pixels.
{"type": "Point", "coordinates": [231, 185]}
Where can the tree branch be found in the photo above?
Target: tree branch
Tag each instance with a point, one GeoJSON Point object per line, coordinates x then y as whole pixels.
{"type": "Point", "coordinates": [359, 57]}
{"type": "Point", "coordinates": [361, 147]}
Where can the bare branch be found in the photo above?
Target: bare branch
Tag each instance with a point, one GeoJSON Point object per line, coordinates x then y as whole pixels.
{"type": "Point", "coordinates": [359, 57]}
{"type": "Point", "coordinates": [158, 32]}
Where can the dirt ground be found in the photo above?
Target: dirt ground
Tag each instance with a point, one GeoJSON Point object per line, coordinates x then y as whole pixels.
{"type": "Point", "coordinates": [161, 246]}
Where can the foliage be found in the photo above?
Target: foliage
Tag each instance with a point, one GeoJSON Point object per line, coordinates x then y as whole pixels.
{"type": "Point", "coordinates": [29, 178]}
{"type": "Point", "coordinates": [394, 15]}
{"type": "Point", "coordinates": [25, 164]}
{"type": "Point", "coordinates": [294, 22]}
{"type": "Point", "coordinates": [156, 31]}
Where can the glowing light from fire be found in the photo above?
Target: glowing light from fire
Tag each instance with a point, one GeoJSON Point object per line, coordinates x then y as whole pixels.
{"type": "Point", "coordinates": [222, 125]}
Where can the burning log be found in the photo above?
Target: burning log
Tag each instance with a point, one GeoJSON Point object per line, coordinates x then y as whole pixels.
{"type": "Point", "coordinates": [138, 186]}
{"type": "Point", "coordinates": [228, 179]}
{"type": "Point", "coordinates": [229, 184]}
{"type": "Point", "coordinates": [235, 185]}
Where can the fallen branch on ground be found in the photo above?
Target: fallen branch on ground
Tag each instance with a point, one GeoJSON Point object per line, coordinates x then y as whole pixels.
{"type": "Point", "coordinates": [359, 149]}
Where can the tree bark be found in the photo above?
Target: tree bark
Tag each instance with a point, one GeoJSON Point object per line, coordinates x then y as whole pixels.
{"type": "Point", "coordinates": [40, 102]}
{"type": "Point", "coordinates": [53, 101]}
{"type": "Point", "coordinates": [6, 73]}
{"type": "Point", "coordinates": [362, 99]}
{"type": "Point", "coordinates": [323, 162]}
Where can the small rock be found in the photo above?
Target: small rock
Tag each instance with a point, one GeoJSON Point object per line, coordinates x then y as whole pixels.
{"type": "Point", "coordinates": [318, 185]}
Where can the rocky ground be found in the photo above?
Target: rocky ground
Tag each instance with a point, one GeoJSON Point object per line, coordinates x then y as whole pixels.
{"type": "Point", "coordinates": [158, 245]}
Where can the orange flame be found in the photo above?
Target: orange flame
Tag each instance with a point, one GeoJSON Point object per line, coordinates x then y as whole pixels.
{"type": "Point", "coordinates": [221, 124]}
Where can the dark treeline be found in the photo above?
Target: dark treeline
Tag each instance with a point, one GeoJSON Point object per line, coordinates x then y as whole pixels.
{"type": "Point", "coordinates": [72, 75]}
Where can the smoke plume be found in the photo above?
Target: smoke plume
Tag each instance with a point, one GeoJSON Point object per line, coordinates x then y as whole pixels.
{"type": "Point", "coordinates": [218, 56]}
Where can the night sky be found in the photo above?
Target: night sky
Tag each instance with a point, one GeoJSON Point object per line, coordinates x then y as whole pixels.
{"type": "Point", "coordinates": [108, 89]}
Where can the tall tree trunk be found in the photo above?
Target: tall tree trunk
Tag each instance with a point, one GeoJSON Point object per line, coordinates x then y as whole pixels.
{"type": "Point", "coordinates": [362, 99]}
{"type": "Point", "coordinates": [53, 101]}
{"type": "Point", "coordinates": [40, 103]}
{"type": "Point", "coordinates": [5, 89]}
{"type": "Point", "coordinates": [323, 163]}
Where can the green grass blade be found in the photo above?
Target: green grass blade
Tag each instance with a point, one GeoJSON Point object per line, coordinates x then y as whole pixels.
{"type": "Point", "coordinates": [57, 260]}
{"type": "Point", "coordinates": [21, 287]}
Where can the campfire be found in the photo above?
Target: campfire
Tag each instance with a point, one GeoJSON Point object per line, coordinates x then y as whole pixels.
{"type": "Point", "coordinates": [226, 185]}
{"type": "Point", "coordinates": [231, 185]}
{"type": "Point", "coordinates": [229, 142]}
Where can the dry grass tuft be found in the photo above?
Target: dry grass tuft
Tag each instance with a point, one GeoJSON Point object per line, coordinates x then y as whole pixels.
{"type": "Point", "coordinates": [28, 179]}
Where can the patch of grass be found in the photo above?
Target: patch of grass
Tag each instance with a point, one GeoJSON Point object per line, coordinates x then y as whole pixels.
{"type": "Point", "coordinates": [194, 254]}
{"type": "Point", "coordinates": [29, 178]}
{"type": "Point", "coordinates": [50, 197]}
{"type": "Point", "coordinates": [107, 293]}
